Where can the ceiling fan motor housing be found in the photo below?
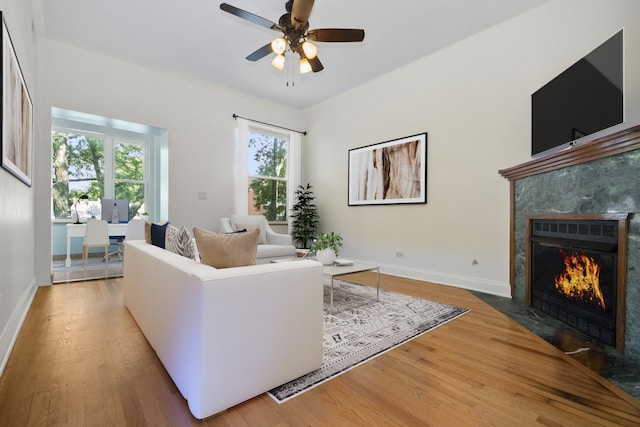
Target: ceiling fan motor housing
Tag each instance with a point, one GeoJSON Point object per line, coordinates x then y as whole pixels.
{"type": "Point", "coordinates": [294, 26]}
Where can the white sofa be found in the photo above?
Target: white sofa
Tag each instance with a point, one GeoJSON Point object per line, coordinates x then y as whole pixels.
{"type": "Point", "coordinates": [271, 246]}
{"type": "Point", "coordinates": [225, 335]}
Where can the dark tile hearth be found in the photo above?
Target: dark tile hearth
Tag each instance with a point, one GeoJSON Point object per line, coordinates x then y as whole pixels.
{"type": "Point", "coordinates": [600, 358]}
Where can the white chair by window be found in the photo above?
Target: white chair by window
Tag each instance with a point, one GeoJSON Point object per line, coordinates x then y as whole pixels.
{"type": "Point", "coordinates": [271, 245]}
{"type": "Point", "coordinates": [135, 230]}
{"type": "Point", "coordinates": [96, 235]}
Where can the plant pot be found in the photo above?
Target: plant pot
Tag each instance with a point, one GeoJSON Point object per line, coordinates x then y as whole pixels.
{"type": "Point", "coordinates": [326, 256]}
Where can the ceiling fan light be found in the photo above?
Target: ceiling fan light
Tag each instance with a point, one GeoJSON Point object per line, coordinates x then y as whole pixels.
{"type": "Point", "coordinates": [278, 45]}
{"type": "Point", "coordinates": [305, 67]}
{"type": "Point", "coordinates": [278, 62]}
{"type": "Point", "coordinates": [310, 50]}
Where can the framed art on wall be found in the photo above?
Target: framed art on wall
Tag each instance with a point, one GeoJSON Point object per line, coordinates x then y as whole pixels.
{"type": "Point", "coordinates": [391, 172]}
{"type": "Point", "coordinates": [17, 113]}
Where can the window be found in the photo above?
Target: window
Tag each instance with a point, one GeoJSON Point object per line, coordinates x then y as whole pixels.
{"type": "Point", "coordinates": [267, 171]}
{"type": "Point", "coordinates": [88, 167]}
{"type": "Point", "coordinates": [129, 181]}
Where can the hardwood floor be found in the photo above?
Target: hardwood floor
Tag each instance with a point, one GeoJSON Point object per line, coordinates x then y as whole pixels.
{"type": "Point", "coordinates": [81, 360]}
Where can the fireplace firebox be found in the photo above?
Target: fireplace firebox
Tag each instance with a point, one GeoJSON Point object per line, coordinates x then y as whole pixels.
{"type": "Point", "coordinates": [576, 271]}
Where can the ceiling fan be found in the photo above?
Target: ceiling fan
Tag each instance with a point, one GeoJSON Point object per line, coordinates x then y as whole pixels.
{"type": "Point", "coordinates": [296, 36]}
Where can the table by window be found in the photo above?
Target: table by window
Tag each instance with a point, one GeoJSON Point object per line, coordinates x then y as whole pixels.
{"type": "Point", "coordinates": [78, 230]}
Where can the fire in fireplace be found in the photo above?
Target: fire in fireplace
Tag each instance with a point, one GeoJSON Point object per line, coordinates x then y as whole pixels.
{"type": "Point", "coordinates": [580, 280]}
{"type": "Point", "coordinates": [576, 272]}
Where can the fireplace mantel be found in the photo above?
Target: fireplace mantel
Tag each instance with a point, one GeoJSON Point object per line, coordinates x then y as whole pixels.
{"type": "Point", "coordinates": [619, 142]}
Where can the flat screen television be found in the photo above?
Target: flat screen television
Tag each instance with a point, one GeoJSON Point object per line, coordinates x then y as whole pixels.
{"type": "Point", "coordinates": [121, 206]}
{"type": "Point", "coordinates": [584, 99]}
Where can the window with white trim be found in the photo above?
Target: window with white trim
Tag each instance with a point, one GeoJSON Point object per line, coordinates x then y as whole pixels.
{"type": "Point", "coordinates": [87, 167]}
{"type": "Point", "coordinates": [267, 171]}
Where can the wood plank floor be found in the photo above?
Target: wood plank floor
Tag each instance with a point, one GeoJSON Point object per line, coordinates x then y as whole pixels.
{"type": "Point", "coordinates": [80, 359]}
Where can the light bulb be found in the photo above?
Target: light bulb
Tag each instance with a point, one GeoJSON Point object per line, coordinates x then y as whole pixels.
{"type": "Point", "coordinates": [278, 62]}
{"type": "Point", "coordinates": [278, 45]}
{"type": "Point", "coordinates": [305, 67]}
{"type": "Point", "coordinates": [310, 50]}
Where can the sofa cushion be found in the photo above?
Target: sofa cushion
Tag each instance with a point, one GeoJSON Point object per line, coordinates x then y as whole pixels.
{"type": "Point", "coordinates": [226, 250]}
{"type": "Point", "coordinates": [178, 240]}
{"type": "Point", "coordinates": [262, 237]}
{"type": "Point", "coordinates": [275, 251]}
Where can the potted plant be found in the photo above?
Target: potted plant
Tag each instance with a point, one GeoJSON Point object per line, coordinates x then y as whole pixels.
{"type": "Point", "coordinates": [326, 247]}
{"type": "Point", "coordinates": [305, 217]}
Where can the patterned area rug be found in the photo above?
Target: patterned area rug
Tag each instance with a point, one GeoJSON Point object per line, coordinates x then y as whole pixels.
{"type": "Point", "coordinates": [363, 328]}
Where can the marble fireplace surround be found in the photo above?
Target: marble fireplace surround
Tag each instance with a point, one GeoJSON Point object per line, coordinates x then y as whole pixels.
{"type": "Point", "coordinates": [599, 177]}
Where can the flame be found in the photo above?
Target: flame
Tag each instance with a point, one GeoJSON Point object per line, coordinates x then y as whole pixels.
{"type": "Point", "coordinates": [581, 279]}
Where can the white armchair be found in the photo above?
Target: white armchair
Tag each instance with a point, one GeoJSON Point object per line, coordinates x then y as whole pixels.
{"type": "Point", "coordinates": [271, 245]}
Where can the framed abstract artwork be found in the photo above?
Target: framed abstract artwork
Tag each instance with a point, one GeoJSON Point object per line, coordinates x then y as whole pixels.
{"type": "Point", "coordinates": [391, 172]}
{"type": "Point", "coordinates": [17, 113]}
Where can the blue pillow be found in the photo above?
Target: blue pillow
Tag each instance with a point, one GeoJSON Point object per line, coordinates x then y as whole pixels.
{"type": "Point", "coordinates": [158, 234]}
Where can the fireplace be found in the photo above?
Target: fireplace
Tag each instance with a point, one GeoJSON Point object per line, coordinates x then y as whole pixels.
{"type": "Point", "coordinates": [600, 175]}
{"type": "Point", "coordinates": [576, 271]}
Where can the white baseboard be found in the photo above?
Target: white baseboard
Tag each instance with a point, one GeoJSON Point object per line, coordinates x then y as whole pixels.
{"type": "Point", "coordinates": [10, 333]}
{"type": "Point", "coordinates": [464, 282]}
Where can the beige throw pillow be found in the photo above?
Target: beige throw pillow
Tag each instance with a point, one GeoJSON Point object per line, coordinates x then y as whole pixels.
{"type": "Point", "coordinates": [147, 232]}
{"type": "Point", "coordinates": [226, 250]}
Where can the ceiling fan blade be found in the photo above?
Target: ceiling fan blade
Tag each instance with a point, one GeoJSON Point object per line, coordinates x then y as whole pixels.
{"type": "Point", "coordinates": [300, 12]}
{"type": "Point", "coordinates": [250, 17]}
{"type": "Point", "coordinates": [316, 65]}
{"type": "Point", "coordinates": [260, 53]}
{"type": "Point", "coordinates": [335, 35]}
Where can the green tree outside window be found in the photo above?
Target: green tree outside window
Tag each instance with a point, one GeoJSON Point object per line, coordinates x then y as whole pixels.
{"type": "Point", "coordinates": [78, 169]}
{"type": "Point", "coordinates": [267, 160]}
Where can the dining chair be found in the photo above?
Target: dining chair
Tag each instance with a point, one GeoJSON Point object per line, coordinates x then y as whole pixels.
{"type": "Point", "coordinates": [134, 231]}
{"type": "Point", "coordinates": [96, 235]}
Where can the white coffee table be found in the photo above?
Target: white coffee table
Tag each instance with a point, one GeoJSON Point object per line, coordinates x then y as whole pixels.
{"type": "Point", "coordinates": [334, 271]}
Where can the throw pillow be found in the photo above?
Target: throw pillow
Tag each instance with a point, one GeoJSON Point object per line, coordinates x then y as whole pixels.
{"type": "Point", "coordinates": [147, 229]}
{"type": "Point", "coordinates": [178, 241]}
{"type": "Point", "coordinates": [147, 232]}
{"type": "Point", "coordinates": [158, 234]}
{"type": "Point", "coordinates": [262, 237]}
{"type": "Point", "coordinates": [226, 250]}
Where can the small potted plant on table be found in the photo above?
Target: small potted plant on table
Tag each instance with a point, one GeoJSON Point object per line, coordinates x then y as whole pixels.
{"type": "Point", "coordinates": [326, 247]}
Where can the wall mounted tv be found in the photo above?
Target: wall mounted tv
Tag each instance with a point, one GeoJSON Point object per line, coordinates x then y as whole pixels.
{"type": "Point", "coordinates": [585, 98]}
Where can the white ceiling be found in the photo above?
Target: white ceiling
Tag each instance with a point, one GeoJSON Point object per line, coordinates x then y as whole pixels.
{"type": "Point", "coordinates": [196, 38]}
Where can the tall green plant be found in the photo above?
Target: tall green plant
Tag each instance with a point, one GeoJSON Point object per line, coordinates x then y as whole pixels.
{"type": "Point", "coordinates": [304, 216]}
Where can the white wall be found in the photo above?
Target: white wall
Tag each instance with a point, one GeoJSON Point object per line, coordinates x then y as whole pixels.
{"type": "Point", "coordinates": [473, 99]}
{"type": "Point", "coordinates": [17, 250]}
{"type": "Point", "coordinates": [197, 116]}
